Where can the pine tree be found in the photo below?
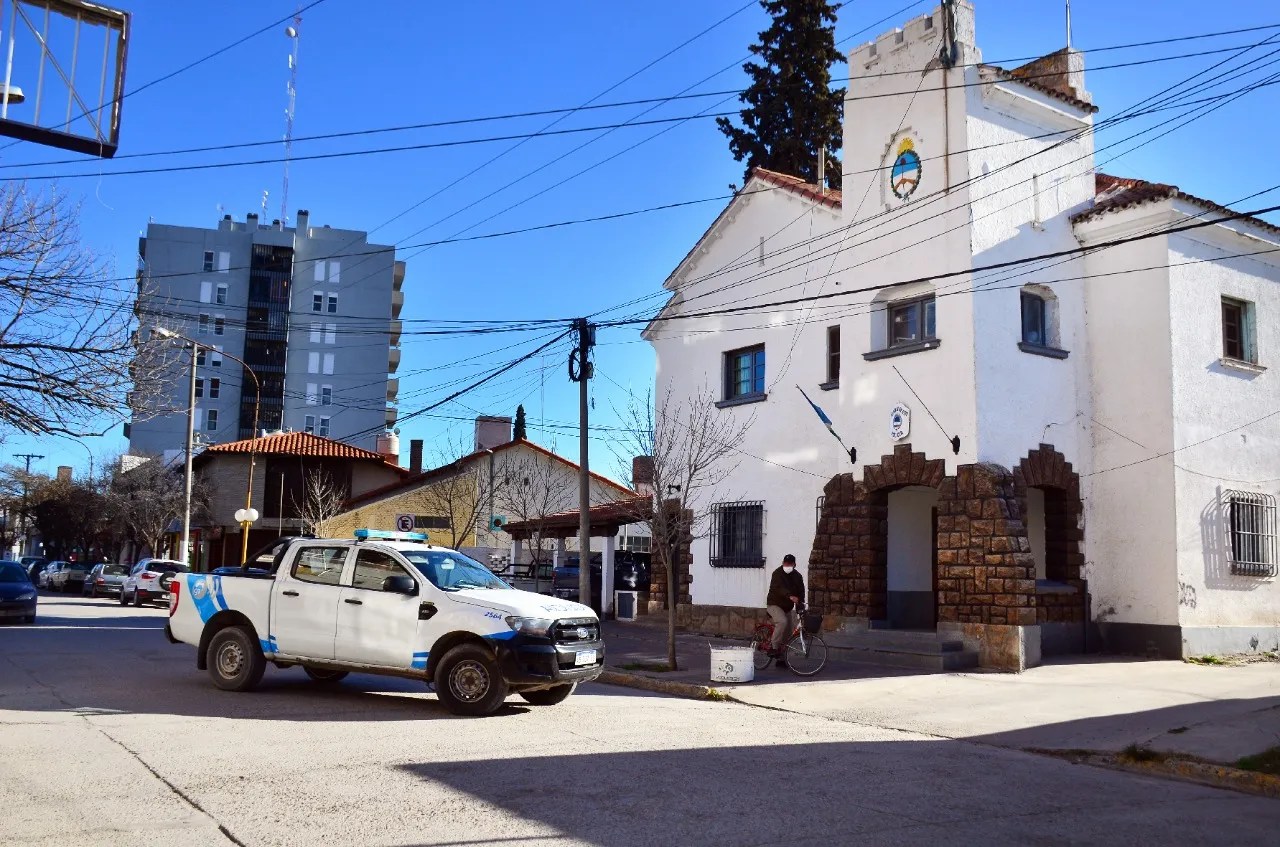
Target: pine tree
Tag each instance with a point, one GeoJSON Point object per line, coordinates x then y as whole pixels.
{"type": "Point", "coordinates": [790, 110]}
{"type": "Point", "coordinates": [520, 424]}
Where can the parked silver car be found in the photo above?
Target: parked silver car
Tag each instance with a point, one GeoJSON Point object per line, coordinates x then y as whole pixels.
{"type": "Point", "coordinates": [105, 579]}
{"type": "Point", "coordinates": [69, 576]}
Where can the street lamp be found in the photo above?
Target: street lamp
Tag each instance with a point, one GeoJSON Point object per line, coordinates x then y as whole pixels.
{"type": "Point", "coordinates": [242, 515]}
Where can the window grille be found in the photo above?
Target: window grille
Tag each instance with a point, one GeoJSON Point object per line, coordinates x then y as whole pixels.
{"type": "Point", "coordinates": [737, 535]}
{"type": "Point", "coordinates": [1251, 529]}
{"type": "Point", "coordinates": [817, 508]}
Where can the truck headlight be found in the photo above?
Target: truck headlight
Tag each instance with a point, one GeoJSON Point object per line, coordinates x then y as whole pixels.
{"type": "Point", "coordinates": [530, 626]}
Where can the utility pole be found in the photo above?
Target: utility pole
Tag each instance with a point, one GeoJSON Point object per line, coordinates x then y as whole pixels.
{"type": "Point", "coordinates": [22, 518]}
{"type": "Point", "coordinates": [580, 371]}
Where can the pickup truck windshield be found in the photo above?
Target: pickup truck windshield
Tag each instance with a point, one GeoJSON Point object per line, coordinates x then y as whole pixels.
{"type": "Point", "coordinates": [450, 571]}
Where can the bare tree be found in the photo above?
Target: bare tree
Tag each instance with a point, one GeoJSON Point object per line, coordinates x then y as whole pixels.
{"type": "Point", "coordinates": [465, 490]}
{"type": "Point", "coordinates": [322, 499]}
{"type": "Point", "coordinates": [66, 340]}
{"type": "Point", "coordinates": [147, 498]}
{"type": "Point", "coordinates": [693, 446]}
{"type": "Point", "coordinates": [535, 486]}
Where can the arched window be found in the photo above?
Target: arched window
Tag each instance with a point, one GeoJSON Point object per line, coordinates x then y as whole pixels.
{"type": "Point", "coordinates": [1040, 323]}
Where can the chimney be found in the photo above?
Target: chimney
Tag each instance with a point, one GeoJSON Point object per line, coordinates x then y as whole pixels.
{"type": "Point", "coordinates": [415, 456]}
{"type": "Point", "coordinates": [642, 475]}
{"type": "Point", "coordinates": [301, 221]}
{"type": "Point", "coordinates": [64, 473]}
{"type": "Point", "coordinates": [492, 431]}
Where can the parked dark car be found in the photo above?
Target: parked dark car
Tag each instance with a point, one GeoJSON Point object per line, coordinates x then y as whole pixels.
{"type": "Point", "coordinates": [17, 593]}
{"type": "Point", "coordinates": [34, 567]}
{"type": "Point", "coordinates": [630, 573]}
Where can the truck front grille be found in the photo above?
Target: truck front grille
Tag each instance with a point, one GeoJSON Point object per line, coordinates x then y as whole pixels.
{"type": "Point", "coordinates": [572, 631]}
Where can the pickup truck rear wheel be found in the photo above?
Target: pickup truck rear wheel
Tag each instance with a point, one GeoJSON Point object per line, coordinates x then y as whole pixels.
{"type": "Point", "coordinates": [549, 696]}
{"type": "Point", "coordinates": [469, 682]}
{"type": "Point", "coordinates": [235, 661]}
{"type": "Point", "coordinates": [323, 676]}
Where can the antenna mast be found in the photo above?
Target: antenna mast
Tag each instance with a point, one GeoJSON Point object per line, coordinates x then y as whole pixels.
{"type": "Point", "coordinates": [293, 32]}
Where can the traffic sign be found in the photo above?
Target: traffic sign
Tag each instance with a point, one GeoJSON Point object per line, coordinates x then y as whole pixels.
{"type": "Point", "coordinates": [404, 523]}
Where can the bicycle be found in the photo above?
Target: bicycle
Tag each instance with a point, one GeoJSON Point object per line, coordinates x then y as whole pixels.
{"type": "Point", "coordinates": [804, 650]}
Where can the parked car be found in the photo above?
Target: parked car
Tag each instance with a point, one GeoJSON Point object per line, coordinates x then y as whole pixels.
{"type": "Point", "coordinates": [45, 579]}
{"type": "Point", "coordinates": [148, 581]}
{"type": "Point", "coordinates": [34, 567]}
{"type": "Point", "coordinates": [69, 576]}
{"type": "Point", "coordinates": [630, 573]}
{"type": "Point", "coordinates": [17, 594]}
{"type": "Point", "coordinates": [105, 578]}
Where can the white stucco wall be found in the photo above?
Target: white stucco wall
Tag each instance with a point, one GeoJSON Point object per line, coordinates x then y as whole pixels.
{"type": "Point", "coordinates": [1210, 399]}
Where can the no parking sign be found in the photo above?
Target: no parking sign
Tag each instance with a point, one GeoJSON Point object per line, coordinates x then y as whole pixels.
{"type": "Point", "coordinates": [404, 523]}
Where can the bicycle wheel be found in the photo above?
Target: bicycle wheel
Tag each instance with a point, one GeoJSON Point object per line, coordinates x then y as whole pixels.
{"type": "Point", "coordinates": [806, 654]}
{"type": "Point", "coordinates": [760, 646]}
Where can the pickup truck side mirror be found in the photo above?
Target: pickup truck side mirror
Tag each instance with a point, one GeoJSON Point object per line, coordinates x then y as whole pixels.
{"type": "Point", "coordinates": [400, 585]}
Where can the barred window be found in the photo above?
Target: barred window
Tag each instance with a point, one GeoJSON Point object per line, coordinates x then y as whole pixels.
{"type": "Point", "coordinates": [737, 535]}
{"type": "Point", "coordinates": [1251, 527]}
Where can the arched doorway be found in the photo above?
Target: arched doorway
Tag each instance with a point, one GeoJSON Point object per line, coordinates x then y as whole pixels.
{"type": "Point", "coordinates": [1048, 489]}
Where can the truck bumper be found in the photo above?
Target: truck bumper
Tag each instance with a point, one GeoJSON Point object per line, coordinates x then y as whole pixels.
{"type": "Point", "coordinates": [527, 664]}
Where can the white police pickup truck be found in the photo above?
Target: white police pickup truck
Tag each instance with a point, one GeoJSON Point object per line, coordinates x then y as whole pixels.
{"type": "Point", "coordinates": [386, 603]}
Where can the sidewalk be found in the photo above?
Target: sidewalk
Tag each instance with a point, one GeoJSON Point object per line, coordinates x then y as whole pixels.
{"type": "Point", "coordinates": [1095, 703]}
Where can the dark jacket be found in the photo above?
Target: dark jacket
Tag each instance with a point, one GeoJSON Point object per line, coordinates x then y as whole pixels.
{"type": "Point", "coordinates": [783, 586]}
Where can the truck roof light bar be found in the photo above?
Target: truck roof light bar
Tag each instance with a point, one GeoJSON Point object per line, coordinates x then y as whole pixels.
{"type": "Point", "coordinates": [366, 534]}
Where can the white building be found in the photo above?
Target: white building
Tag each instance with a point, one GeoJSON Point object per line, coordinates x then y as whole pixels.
{"type": "Point", "coordinates": [1052, 453]}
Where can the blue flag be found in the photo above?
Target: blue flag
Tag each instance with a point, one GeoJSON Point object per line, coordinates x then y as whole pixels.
{"type": "Point", "coordinates": [822, 416]}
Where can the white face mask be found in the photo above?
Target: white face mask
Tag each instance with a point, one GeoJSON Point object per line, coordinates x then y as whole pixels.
{"type": "Point", "coordinates": [788, 568]}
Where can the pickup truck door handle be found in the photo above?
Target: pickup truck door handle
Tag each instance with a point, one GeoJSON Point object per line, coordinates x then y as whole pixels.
{"type": "Point", "coordinates": [426, 611]}
{"type": "Point", "coordinates": [289, 593]}
{"type": "Point", "coordinates": [353, 601]}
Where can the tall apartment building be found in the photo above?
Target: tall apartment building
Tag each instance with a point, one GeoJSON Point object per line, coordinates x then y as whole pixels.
{"type": "Point", "coordinates": [313, 310]}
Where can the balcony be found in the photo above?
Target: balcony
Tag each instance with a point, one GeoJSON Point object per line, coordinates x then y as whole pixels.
{"type": "Point", "coordinates": [393, 360]}
{"type": "Point", "coordinates": [396, 328]}
{"type": "Point", "coordinates": [397, 302]}
{"type": "Point", "coordinates": [397, 275]}
{"type": "Point", "coordinates": [393, 388]}
{"type": "Point", "coordinates": [391, 417]}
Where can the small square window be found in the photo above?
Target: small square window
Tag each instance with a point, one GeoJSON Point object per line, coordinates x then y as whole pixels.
{"type": "Point", "coordinates": [224, 261]}
{"type": "Point", "coordinates": [200, 357]}
{"type": "Point", "coordinates": [744, 373]}
{"type": "Point", "coordinates": [211, 420]}
{"type": "Point", "coordinates": [333, 304]}
{"type": "Point", "coordinates": [1238, 331]}
{"type": "Point", "coordinates": [222, 294]}
{"type": "Point", "coordinates": [215, 388]}
{"type": "Point", "coordinates": [219, 325]}
{"type": "Point", "coordinates": [309, 424]}
{"type": "Point", "coordinates": [317, 302]}
{"type": "Point", "coordinates": [912, 321]}
{"type": "Point", "coordinates": [320, 270]}
{"type": "Point", "coordinates": [1034, 325]}
{"type": "Point", "coordinates": [208, 260]}
{"type": "Point", "coordinates": [335, 270]}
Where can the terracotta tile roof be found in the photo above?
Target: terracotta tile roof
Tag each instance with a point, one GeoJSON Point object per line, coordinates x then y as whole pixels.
{"type": "Point", "coordinates": [1021, 76]}
{"type": "Point", "coordinates": [796, 185]}
{"type": "Point", "coordinates": [603, 516]}
{"type": "Point", "coordinates": [459, 466]}
{"type": "Point", "coordinates": [1115, 193]}
{"type": "Point", "coordinates": [295, 444]}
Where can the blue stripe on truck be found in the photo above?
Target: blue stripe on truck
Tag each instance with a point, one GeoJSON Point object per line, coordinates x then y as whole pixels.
{"type": "Point", "coordinates": [419, 661]}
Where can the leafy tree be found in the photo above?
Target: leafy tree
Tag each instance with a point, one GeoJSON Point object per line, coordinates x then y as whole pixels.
{"type": "Point", "coordinates": [790, 110]}
{"type": "Point", "coordinates": [520, 433]}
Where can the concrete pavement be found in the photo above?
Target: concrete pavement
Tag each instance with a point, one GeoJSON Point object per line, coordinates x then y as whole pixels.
{"type": "Point", "coordinates": [1218, 713]}
{"type": "Point", "coordinates": [111, 737]}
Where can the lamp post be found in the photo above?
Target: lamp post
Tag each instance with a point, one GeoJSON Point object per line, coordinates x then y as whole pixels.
{"type": "Point", "coordinates": [242, 515]}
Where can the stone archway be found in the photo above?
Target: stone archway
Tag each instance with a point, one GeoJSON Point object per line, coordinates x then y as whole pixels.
{"type": "Point", "coordinates": [1061, 598]}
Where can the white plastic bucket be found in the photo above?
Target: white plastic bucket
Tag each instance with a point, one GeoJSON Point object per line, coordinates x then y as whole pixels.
{"type": "Point", "coordinates": [732, 664]}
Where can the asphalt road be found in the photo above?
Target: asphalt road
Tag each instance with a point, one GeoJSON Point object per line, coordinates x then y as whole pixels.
{"type": "Point", "coordinates": [109, 735]}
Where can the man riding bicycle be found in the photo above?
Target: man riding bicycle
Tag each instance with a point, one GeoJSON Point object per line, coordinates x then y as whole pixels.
{"type": "Point", "coordinates": [786, 591]}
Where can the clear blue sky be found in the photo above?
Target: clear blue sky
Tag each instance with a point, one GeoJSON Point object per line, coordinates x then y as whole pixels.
{"type": "Point", "coordinates": [367, 65]}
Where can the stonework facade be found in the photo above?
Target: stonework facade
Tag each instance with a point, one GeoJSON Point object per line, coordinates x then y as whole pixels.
{"type": "Point", "coordinates": [684, 562]}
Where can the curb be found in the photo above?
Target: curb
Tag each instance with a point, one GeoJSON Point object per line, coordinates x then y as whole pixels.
{"type": "Point", "coordinates": [688, 690]}
{"type": "Point", "coordinates": [1218, 776]}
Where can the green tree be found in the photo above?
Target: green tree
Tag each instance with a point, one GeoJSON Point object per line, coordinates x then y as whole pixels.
{"type": "Point", "coordinates": [520, 424]}
{"type": "Point", "coordinates": [790, 110]}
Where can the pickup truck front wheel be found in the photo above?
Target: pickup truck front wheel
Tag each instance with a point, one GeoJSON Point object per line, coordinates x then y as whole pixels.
{"type": "Point", "coordinates": [469, 682]}
{"type": "Point", "coordinates": [235, 661]}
